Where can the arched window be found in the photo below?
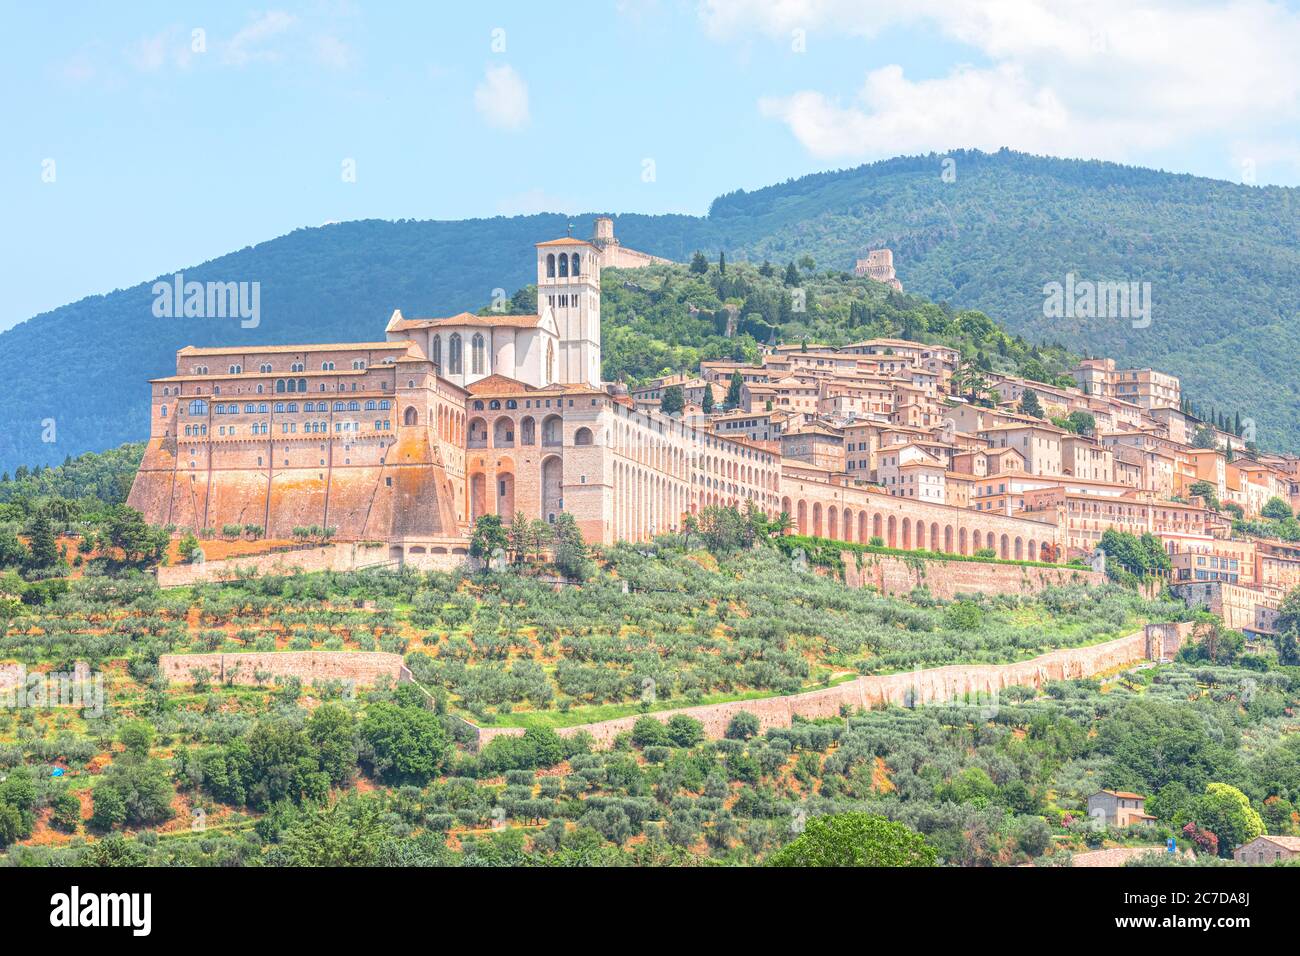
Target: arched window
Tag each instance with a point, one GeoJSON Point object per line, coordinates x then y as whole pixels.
{"type": "Point", "coordinates": [453, 354]}
{"type": "Point", "coordinates": [576, 270]}
{"type": "Point", "coordinates": [302, 385]}
{"type": "Point", "coordinates": [564, 266]}
{"type": "Point", "coordinates": [384, 404]}
{"type": "Point", "coordinates": [354, 406]}
{"type": "Point", "coordinates": [163, 411]}
{"type": "Point", "coordinates": [582, 436]}
{"type": "Point", "coordinates": [436, 351]}
{"type": "Point", "coordinates": [198, 407]}
{"type": "Point", "coordinates": [410, 416]}
{"type": "Point", "coordinates": [550, 266]}
{"type": "Point", "coordinates": [340, 407]}
{"type": "Point", "coordinates": [279, 384]}
{"type": "Point", "coordinates": [477, 355]}
{"type": "Point", "coordinates": [371, 405]}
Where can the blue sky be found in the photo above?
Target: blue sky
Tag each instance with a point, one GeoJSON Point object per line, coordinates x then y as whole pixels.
{"type": "Point", "coordinates": [136, 146]}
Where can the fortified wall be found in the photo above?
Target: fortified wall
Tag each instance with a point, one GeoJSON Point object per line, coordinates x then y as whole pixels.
{"type": "Point", "coordinates": [896, 575]}
{"type": "Point", "coordinates": [910, 688]}
{"type": "Point", "coordinates": [362, 668]}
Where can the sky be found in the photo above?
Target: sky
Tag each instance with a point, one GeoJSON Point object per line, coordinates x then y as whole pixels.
{"type": "Point", "coordinates": [142, 138]}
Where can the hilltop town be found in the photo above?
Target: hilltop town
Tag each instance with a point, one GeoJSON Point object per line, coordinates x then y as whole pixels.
{"type": "Point", "coordinates": [407, 440]}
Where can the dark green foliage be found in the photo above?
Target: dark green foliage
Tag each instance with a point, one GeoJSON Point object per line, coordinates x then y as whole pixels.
{"type": "Point", "coordinates": [855, 839]}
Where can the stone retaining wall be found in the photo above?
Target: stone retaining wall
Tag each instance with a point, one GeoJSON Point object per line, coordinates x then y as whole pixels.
{"type": "Point", "coordinates": [980, 682]}
{"type": "Point", "coordinates": [360, 668]}
{"type": "Point", "coordinates": [894, 574]}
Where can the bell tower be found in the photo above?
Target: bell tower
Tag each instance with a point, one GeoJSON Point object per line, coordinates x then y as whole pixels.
{"type": "Point", "coordinates": [568, 281]}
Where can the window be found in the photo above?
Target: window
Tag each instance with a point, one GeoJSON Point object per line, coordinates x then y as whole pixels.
{"type": "Point", "coordinates": [435, 351]}
{"type": "Point", "coordinates": [478, 356]}
{"type": "Point", "coordinates": [453, 354]}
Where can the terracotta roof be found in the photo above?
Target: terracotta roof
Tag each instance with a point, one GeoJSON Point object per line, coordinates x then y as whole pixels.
{"type": "Point", "coordinates": [400, 324]}
{"type": "Point", "coordinates": [565, 241]}
{"type": "Point", "coordinates": [282, 349]}
{"type": "Point", "coordinates": [1286, 842]}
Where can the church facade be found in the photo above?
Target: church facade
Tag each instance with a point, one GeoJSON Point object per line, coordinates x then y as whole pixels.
{"type": "Point", "coordinates": [406, 441]}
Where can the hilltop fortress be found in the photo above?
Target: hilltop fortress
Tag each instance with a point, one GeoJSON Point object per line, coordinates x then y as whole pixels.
{"type": "Point", "coordinates": [406, 440]}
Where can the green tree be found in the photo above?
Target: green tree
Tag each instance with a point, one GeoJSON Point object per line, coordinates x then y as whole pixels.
{"type": "Point", "coordinates": [706, 402]}
{"type": "Point", "coordinates": [699, 264]}
{"type": "Point", "coordinates": [42, 550]}
{"type": "Point", "coordinates": [1226, 812]}
{"type": "Point", "coordinates": [855, 839]}
{"type": "Point", "coordinates": [403, 744]}
{"type": "Point", "coordinates": [1030, 405]}
{"type": "Point", "coordinates": [1277, 509]}
{"type": "Point", "coordinates": [488, 537]}
{"type": "Point", "coordinates": [734, 389]}
{"type": "Point", "coordinates": [673, 400]}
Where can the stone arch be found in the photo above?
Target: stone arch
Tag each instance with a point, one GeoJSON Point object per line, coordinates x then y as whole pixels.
{"type": "Point", "coordinates": [849, 526]}
{"type": "Point", "coordinates": [528, 430]}
{"type": "Point", "coordinates": [801, 520]}
{"type": "Point", "coordinates": [410, 416]}
{"type": "Point", "coordinates": [817, 529]}
{"type": "Point", "coordinates": [962, 542]}
{"type": "Point", "coordinates": [582, 436]}
{"type": "Point", "coordinates": [505, 495]}
{"type": "Point", "coordinates": [907, 534]}
{"type": "Point", "coordinates": [552, 487]}
{"type": "Point", "coordinates": [553, 431]}
{"type": "Point", "coordinates": [892, 539]}
{"type": "Point", "coordinates": [478, 433]}
{"type": "Point", "coordinates": [477, 495]}
{"type": "Point", "coordinates": [934, 536]}
{"type": "Point", "coordinates": [832, 522]}
{"type": "Point", "coordinates": [503, 433]}
{"type": "Point", "coordinates": [1032, 554]}
{"type": "Point", "coordinates": [1006, 547]}
{"type": "Point", "coordinates": [947, 538]}
{"type": "Point", "coordinates": [1020, 548]}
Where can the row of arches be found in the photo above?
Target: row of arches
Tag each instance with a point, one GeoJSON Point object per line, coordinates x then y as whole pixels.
{"type": "Point", "coordinates": [494, 492]}
{"type": "Point", "coordinates": [908, 534]}
{"type": "Point", "coordinates": [562, 265]}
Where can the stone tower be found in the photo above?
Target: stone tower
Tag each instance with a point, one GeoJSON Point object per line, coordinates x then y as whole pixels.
{"type": "Point", "coordinates": [568, 281]}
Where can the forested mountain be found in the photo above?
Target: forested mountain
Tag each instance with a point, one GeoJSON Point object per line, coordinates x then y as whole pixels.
{"type": "Point", "coordinates": [1223, 262]}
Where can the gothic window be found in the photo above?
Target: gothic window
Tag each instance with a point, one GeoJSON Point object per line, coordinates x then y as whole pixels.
{"type": "Point", "coordinates": [576, 270]}
{"type": "Point", "coordinates": [279, 385]}
{"type": "Point", "coordinates": [550, 266]}
{"type": "Point", "coordinates": [564, 266]}
{"type": "Point", "coordinates": [477, 356]}
{"type": "Point", "coordinates": [436, 349]}
{"type": "Point", "coordinates": [453, 354]}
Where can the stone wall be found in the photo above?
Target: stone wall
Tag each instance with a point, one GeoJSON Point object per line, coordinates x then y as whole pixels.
{"type": "Point", "coordinates": [893, 574]}
{"type": "Point", "coordinates": [977, 682]}
{"type": "Point", "coordinates": [344, 556]}
{"type": "Point", "coordinates": [360, 668]}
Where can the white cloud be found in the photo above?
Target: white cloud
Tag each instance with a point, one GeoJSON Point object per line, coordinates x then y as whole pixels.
{"type": "Point", "coordinates": [502, 98]}
{"type": "Point", "coordinates": [252, 43]}
{"type": "Point", "coordinates": [970, 107]}
{"type": "Point", "coordinates": [1106, 78]}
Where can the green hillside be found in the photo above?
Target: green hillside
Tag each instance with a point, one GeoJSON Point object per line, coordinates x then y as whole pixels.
{"type": "Point", "coordinates": [1223, 261]}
